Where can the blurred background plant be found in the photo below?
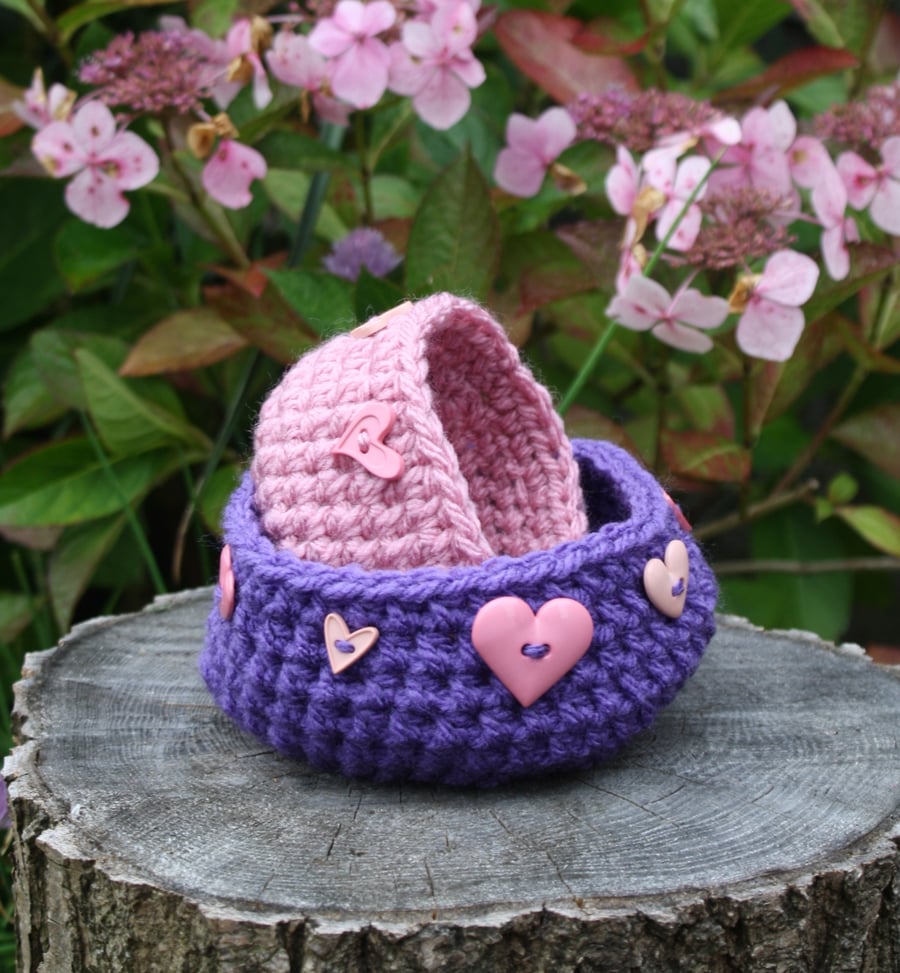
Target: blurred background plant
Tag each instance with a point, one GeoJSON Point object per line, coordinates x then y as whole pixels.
{"type": "Point", "coordinates": [684, 211]}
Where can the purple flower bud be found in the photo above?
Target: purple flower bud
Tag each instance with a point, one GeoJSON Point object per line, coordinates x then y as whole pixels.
{"type": "Point", "coordinates": [363, 247]}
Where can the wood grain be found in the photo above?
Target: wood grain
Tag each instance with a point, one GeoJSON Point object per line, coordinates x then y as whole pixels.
{"type": "Point", "coordinates": [755, 827]}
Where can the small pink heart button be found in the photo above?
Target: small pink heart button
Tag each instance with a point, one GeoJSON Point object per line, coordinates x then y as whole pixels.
{"type": "Point", "coordinates": [363, 440]}
{"type": "Point", "coordinates": [346, 647]}
{"type": "Point", "coordinates": [226, 583]}
{"type": "Point", "coordinates": [666, 581]}
{"type": "Point", "coordinates": [530, 652]}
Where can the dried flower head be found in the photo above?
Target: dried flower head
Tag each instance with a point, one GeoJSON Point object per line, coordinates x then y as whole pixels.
{"type": "Point", "coordinates": [155, 72]}
{"type": "Point", "coordinates": [739, 226]}
{"type": "Point", "coordinates": [641, 120]}
{"type": "Point", "coordinates": [864, 125]}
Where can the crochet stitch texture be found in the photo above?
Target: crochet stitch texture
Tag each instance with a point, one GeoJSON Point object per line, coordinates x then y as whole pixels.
{"type": "Point", "coordinates": [488, 467]}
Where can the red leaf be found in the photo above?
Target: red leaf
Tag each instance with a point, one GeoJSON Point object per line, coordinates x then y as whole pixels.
{"type": "Point", "coordinates": [9, 120]}
{"type": "Point", "coordinates": [705, 456]}
{"type": "Point", "coordinates": [791, 71]}
{"type": "Point", "coordinates": [605, 36]}
{"type": "Point", "coordinates": [874, 434]}
{"type": "Point", "coordinates": [541, 46]}
{"type": "Point", "coordinates": [584, 422]}
{"type": "Point", "coordinates": [253, 279]}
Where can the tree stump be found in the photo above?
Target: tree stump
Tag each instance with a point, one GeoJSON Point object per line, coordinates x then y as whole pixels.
{"type": "Point", "coordinates": [754, 827]}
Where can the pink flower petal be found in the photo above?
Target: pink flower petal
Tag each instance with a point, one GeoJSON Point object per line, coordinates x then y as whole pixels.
{"type": "Point", "coordinates": [622, 182]}
{"type": "Point", "coordinates": [769, 330]}
{"type": "Point", "coordinates": [329, 39]}
{"type": "Point", "coordinates": [239, 39]}
{"type": "Point", "coordinates": [350, 16]}
{"type": "Point", "coordinates": [860, 179]}
{"type": "Point", "coordinates": [406, 76]}
{"type": "Point", "coordinates": [641, 305]}
{"type": "Point", "coordinates": [361, 75]}
{"type": "Point", "coordinates": [557, 130]}
{"type": "Point", "coordinates": [377, 17]}
{"type": "Point", "coordinates": [659, 167]}
{"type": "Point", "coordinates": [697, 309]}
{"type": "Point", "coordinates": [518, 172]}
{"type": "Point", "coordinates": [788, 278]}
{"type": "Point", "coordinates": [890, 154]}
{"type": "Point", "coordinates": [523, 134]}
{"type": "Point", "coordinates": [230, 170]}
{"type": "Point", "coordinates": [55, 147]}
{"type": "Point", "coordinates": [443, 101]}
{"type": "Point", "coordinates": [885, 206]}
{"type": "Point", "coordinates": [782, 126]}
{"type": "Point", "coordinates": [469, 70]}
{"type": "Point", "coordinates": [806, 159]}
{"type": "Point", "coordinates": [689, 226]}
{"type": "Point", "coordinates": [420, 40]}
{"type": "Point", "coordinates": [726, 131]}
{"type": "Point", "coordinates": [455, 26]}
{"type": "Point", "coordinates": [135, 163]}
{"type": "Point", "coordinates": [834, 252]}
{"type": "Point", "coordinates": [678, 336]}
{"type": "Point", "coordinates": [94, 197]}
{"type": "Point", "coordinates": [690, 173]}
{"type": "Point", "coordinates": [293, 61]}
{"type": "Point", "coordinates": [829, 195]}
{"type": "Point", "coordinates": [94, 127]}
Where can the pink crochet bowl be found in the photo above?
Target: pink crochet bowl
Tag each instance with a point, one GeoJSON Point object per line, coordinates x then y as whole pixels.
{"type": "Point", "coordinates": [423, 581]}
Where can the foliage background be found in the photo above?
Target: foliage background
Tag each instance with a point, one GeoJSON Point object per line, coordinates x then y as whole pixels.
{"type": "Point", "coordinates": [132, 360]}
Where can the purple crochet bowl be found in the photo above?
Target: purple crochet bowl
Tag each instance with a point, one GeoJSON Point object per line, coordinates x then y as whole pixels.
{"type": "Point", "coordinates": [424, 704]}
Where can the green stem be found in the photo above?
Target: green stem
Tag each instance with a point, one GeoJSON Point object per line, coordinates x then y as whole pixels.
{"type": "Point", "coordinates": [130, 516]}
{"type": "Point", "coordinates": [365, 174]}
{"type": "Point", "coordinates": [777, 565]}
{"type": "Point", "coordinates": [756, 510]}
{"type": "Point", "coordinates": [331, 136]}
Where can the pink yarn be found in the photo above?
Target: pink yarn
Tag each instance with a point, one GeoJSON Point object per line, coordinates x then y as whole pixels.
{"type": "Point", "coordinates": [488, 468]}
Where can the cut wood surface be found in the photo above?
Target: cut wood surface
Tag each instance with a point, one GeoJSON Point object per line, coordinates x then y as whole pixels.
{"type": "Point", "coordinates": [754, 827]}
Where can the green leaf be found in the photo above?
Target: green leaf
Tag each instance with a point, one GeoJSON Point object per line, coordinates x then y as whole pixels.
{"type": "Point", "coordinates": [868, 263]}
{"type": "Point", "coordinates": [86, 254]}
{"type": "Point", "coordinates": [16, 611]}
{"type": "Point", "coordinates": [875, 524]}
{"type": "Point", "coordinates": [288, 189]}
{"type": "Point", "coordinates": [325, 302]}
{"type": "Point", "coordinates": [842, 489]}
{"type": "Point", "coordinates": [875, 435]}
{"type": "Point", "coordinates": [293, 150]}
{"type": "Point", "coordinates": [707, 408]}
{"type": "Point", "coordinates": [373, 295]}
{"type": "Point", "coordinates": [80, 551]}
{"type": "Point", "coordinates": [213, 17]}
{"type": "Point", "coordinates": [819, 602]}
{"type": "Point", "coordinates": [24, 8]}
{"type": "Point", "coordinates": [455, 237]}
{"type": "Point", "coordinates": [91, 10]}
{"type": "Point", "coordinates": [819, 22]}
{"type": "Point", "coordinates": [705, 456]}
{"type": "Point", "coordinates": [27, 403]}
{"type": "Point", "coordinates": [54, 357]}
{"type": "Point", "coordinates": [183, 340]}
{"type": "Point", "coordinates": [32, 212]}
{"type": "Point", "coordinates": [741, 24]}
{"type": "Point", "coordinates": [65, 483]}
{"type": "Point", "coordinates": [215, 493]}
{"type": "Point", "coordinates": [128, 423]}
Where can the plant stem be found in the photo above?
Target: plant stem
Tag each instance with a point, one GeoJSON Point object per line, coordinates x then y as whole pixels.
{"type": "Point", "coordinates": [812, 447]}
{"type": "Point", "coordinates": [756, 510]}
{"type": "Point", "coordinates": [139, 534]}
{"type": "Point", "coordinates": [331, 136]}
{"type": "Point", "coordinates": [782, 566]}
{"type": "Point", "coordinates": [365, 174]}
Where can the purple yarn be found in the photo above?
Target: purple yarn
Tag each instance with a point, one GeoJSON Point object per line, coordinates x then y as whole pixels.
{"type": "Point", "coordinates": [422, 705]}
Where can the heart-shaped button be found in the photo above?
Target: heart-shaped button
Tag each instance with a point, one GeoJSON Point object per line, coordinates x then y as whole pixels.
{"type": "Point", "coordinates": [666, 581]}
{"type": "Point", "coordinates": [363, 440]}
{"type": "Point", "coordinates": [346, 647]}
{"type": "Point", "coordinates": [530, 652]}
{"type": "Point", "coordinates": [226, 583]}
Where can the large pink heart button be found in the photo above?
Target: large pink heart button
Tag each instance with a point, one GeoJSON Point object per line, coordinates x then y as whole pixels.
{"type": "Point", "coordinates": [363, 440]}
{"type": "Point", "coordinates": [531, 652]}
{"type": "Point", "coordinates": [666, 581]}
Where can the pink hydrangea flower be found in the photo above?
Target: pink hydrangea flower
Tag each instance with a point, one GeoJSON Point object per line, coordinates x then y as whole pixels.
{"type": "Point", "coordinates": [295, 62]}
{"type": "Point", "coordinates": [104, 161]}
{"type": "Point", "coordinates": [532, 147]}
{"type": "Point", "coordinates": [677, 181]}
{"type": "Point", "coordinates": [230, 170]}
{"type": "Point", "coordinates": [350, 37]}
{"type": "Point", "coordinates": [622, 182]}
{"type": "Point", "coordinates": [772, 322]}
{"type": "Point", "coordinates": [434, 64]}
{"type": "Point", "coordinates": [877, 190]}
{"type": "Point", "coordinates": [645, 305]}
{"type": "Point", "coordinates": [760, 160]}
{"type": "Point", "coordinates": [40, 107]}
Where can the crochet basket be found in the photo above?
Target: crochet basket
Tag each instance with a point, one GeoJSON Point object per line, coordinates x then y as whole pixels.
{"type": "Point", "coordinates": [495, 668]}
